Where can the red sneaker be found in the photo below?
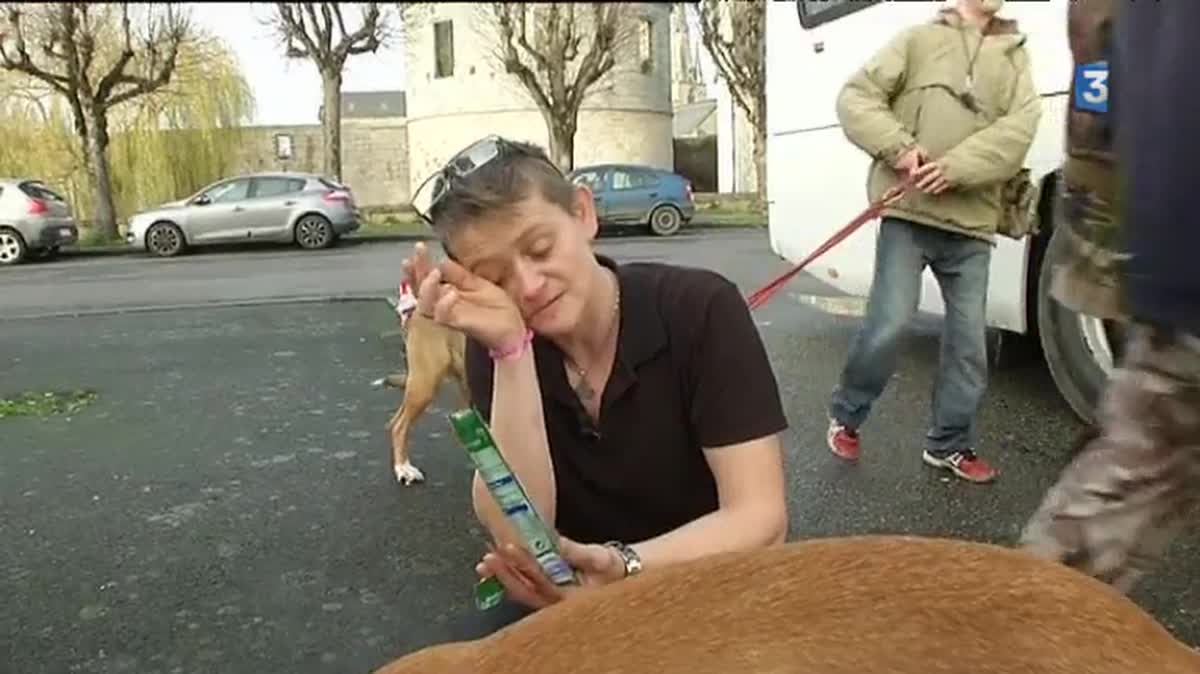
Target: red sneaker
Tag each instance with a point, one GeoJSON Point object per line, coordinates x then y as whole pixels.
{"type": "Point", "coordinates": [843, 441]}
{"type": "Point", "coordinates": [963, 463]}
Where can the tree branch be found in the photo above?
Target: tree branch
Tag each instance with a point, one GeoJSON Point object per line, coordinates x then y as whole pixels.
{"type": "Point", "coordinates": [173, 32]}
{"type": "Point", "coordinates": [367, 38]}
{"type": "Point", "coordinates": [739, 60]}
{"type": "Point", "coordinates": [20, 60]}
{"type": "Point", "coordinates": [313, 27]}
{"type": "Point", "coordinates": [291, 25]}
{"type": "Point", "coordinates": [117, 71]}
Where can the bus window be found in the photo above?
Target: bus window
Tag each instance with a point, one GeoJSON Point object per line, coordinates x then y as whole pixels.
{"type": "Point", "coordinates": [816, 12]}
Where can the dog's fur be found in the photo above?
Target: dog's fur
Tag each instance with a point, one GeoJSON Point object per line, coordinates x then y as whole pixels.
{"type": "Point", "coordinates": [433, 352]}
{"type": "Point", "coordinates": [854, 605]}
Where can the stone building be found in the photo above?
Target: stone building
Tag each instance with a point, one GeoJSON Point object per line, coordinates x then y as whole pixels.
{"type": "Point", "coordinates": [456, 92]}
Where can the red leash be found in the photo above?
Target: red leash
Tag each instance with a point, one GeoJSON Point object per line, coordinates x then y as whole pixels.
{"type": "Point", "coordinates": [764, 294]}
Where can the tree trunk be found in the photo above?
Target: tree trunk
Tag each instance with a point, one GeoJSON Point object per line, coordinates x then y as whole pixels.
{"type": "Point", "coordinates": [760, 164]}
{"type": "Point", "coordinates": [331, 123]}
{"type": "Point", "coordinates": [95, 148]}
{"type": "Point", "coordinates": [562, 141]}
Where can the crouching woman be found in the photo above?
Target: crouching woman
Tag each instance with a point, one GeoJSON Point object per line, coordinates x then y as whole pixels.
{"type": "Point", "coordinates": [635, 402]}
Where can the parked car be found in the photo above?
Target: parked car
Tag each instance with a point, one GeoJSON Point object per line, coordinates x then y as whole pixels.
{"type": "Point", "coordinates": [639, 195]}
{"type": "Point", "coordinates": [309, 210]}
{"type": "Point", "coordinates": [34, 221]}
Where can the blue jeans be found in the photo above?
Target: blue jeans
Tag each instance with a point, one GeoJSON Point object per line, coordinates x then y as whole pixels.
{"type": "Point", "coordinates": [960, 264]}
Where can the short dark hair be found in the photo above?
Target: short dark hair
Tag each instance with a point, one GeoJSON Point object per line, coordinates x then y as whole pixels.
{"type": "Point", "coordinates": [499, 185]}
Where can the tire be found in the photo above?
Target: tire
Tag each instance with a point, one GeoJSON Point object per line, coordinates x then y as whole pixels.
{"type": "Point", "coordinates": [165, 239]}
{"type": "Point", "coordinates": [313, 232]}
{"type": "Point", "coordinates": [1079, 350]}
{"type": "Point", "coordinates": [665, 220]}
{"type": "Point", "coordinates": [12, 247]}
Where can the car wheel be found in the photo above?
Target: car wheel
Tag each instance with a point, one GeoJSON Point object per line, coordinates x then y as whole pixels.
{"type": "Point", "coordinates": [314, 232]}
{"type": "Point", "coordinates": [665, 220]}
{"type": "Point", "coordinates": [1080, 350]}
{"type": "Point", "coordinates": [12, 246]}
{"type": "Point", "coordinates": [165, 239]}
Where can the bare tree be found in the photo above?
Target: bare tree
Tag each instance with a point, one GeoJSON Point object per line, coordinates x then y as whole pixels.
{"type": "Point", "coordinates": [80, 56]}
{"type": "Point", "coordinates": [543, 46]}
{"type": "Point", "coordinates": [734, 33]}
{"type": "Point", "coordinates": [317, 31]}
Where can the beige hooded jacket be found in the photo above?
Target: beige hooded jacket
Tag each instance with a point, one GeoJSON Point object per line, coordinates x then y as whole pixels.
{"type": "Point", "coordinates": [919, 89]}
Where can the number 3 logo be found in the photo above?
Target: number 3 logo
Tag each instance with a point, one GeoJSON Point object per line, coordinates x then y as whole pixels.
{"type": "Point", "coordinates": [1091, 86]}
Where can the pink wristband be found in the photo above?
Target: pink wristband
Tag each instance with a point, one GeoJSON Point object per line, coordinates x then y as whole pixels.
{"type": "Point", "coordinates": [515, 351]}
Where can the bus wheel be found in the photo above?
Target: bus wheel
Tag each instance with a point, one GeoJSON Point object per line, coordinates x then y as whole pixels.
{"type": "Point", "coordinates": [1080, 350]}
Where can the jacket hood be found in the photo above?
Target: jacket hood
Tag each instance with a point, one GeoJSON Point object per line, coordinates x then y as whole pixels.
{"type": "Point", "coordinates": [949, 16]}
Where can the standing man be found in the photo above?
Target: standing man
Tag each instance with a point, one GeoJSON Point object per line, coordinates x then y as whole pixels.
{"type": "Point", "coordinates": [952, 104]}
{"type": "Point", "coordinates": [1123, 498]}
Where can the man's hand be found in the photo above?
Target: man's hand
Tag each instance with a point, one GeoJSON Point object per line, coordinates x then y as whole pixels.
{"type": "Point", "coordinates": [931, 178]}
{"type": "Point", "coordinates": [911, 160]}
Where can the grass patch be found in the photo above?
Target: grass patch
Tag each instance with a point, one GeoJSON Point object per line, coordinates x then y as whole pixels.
{"type": "Point", "coordinates": [729, 210]}
{"type": "Point", "coordinates": [376, 222]}
{"type": "Point", "coordinates": [45, 404]}
{"type": "Point", "coordinates": [712, 210]}
{"type": "Point", "coordinates": [90, 237]}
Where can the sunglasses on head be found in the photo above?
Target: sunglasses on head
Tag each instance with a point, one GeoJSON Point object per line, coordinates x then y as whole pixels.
{"type": "Point", "coordinates": [465, 162]}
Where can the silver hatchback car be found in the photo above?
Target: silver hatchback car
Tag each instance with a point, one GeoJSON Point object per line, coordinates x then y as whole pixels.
{"type": "Point", "coordinates": [309, 210]}
{"type": "Point", "coordinates": [34, 221]}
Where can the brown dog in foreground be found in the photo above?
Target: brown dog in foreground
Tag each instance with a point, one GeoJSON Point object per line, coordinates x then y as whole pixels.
{"type": "Point", "coordinates": [856, 605]}
{"type": "Point", "coordinates": [433, 352]}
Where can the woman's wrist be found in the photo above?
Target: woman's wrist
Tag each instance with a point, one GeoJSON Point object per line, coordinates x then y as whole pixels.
{"type": "Point", "coordinates": [513, 347]}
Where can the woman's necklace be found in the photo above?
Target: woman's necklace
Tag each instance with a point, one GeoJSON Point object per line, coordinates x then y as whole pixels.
{"type": "Point", "coordinates": [582, 388]}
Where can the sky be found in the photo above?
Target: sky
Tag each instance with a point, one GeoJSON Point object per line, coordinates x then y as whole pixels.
{"type": "Point", "coordinates": [288, 91]}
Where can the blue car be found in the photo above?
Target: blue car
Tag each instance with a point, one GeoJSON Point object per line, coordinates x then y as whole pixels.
{"type": "Point", "coordinates": [639, 195]}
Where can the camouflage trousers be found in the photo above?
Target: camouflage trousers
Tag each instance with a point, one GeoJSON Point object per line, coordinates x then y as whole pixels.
{"type": "Point", "coordinates": [1120, 502]}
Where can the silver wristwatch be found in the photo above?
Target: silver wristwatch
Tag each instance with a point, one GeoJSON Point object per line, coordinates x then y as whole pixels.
{"type": "Point", "coordinates": [633, 563]}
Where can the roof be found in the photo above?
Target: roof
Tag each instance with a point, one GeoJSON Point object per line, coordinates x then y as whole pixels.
{"type": "Point", "coordinates": [691, 116]}
{"type": "Point", "coordinates": [360, 104]}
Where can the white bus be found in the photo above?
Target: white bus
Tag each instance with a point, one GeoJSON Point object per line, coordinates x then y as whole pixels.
{"type": "Point", "coordinates": [816, 179]}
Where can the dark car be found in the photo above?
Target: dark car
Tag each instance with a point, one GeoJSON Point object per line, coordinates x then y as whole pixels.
{"type": "Point", "coordinates": [639, 195]}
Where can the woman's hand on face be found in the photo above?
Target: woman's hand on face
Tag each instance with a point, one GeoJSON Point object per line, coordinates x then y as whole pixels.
{"type": "Point", "coordinates": [525, 582]}
{"type": "Point", "coordinates": [417, 267]}
{"type": "Point", "coordinates": [453, 296]}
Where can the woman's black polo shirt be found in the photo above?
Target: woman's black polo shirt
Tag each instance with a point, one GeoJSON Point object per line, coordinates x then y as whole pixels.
{"type": "Point", "coordinates": [690, 372]}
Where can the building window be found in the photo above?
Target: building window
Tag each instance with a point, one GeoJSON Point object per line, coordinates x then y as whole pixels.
{"type": "Point", "coordinates": [443, 49]}
{"type": "Point", "coordinates": [646, 45]}
{"type": "Point", "coordinates": [283, 146]}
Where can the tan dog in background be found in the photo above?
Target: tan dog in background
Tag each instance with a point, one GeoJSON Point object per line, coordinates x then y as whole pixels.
{"type": "Point", "coordinates": [433, 353]}
{"type": "Point", "coordinates": [855, 605]}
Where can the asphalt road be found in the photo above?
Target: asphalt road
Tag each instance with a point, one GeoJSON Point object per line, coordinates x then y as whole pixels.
{"type": "Point", "coordinates": [83, 284]}
{"type": "Point", "coordinates": [227, 505]}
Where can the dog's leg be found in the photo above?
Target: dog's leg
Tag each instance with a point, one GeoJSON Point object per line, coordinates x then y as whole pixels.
{"type": "Point", "coordinates": [458, 367]}
{"type": "Point", "coordinates": [418, 394]}
{"type": "Point", "coordinates": [390, 381]}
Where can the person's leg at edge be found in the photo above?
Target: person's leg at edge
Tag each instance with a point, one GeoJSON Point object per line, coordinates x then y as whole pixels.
{"type": "Point", "coordinates": [961, 267]}
{"type": "Point", "coordinates": [1120, 502]}
{"type": "Point", "coordinates": [895, 292]}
